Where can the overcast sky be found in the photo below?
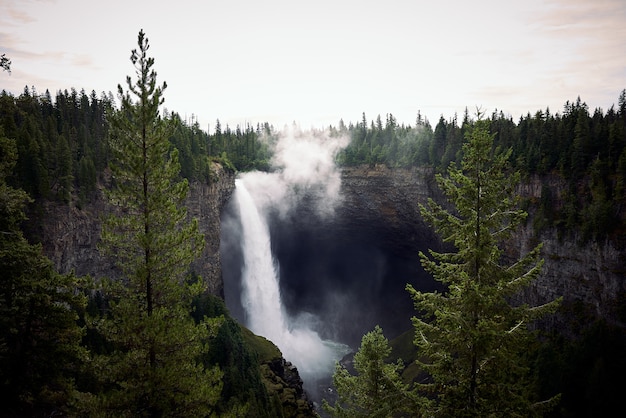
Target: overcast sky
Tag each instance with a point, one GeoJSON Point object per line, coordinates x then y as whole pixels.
{"type": "Point", "coordinates": [315, 62]}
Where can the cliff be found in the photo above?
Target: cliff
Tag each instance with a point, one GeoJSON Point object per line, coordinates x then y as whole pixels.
{"type": "Point", "coordinates": [591, 273]}
{"type": "Point", "coordinates": [70, 235]}
{"type": "Point", "coordinates": [376, 204]}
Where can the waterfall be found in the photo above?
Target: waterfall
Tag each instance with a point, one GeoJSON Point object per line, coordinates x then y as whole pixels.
{"type": "Point", "coordinates": [261, 293]}
{"type": "Point", "coordinates": [262, 301]}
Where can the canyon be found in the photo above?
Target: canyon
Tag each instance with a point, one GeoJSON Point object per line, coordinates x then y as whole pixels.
{"type": "Point", "coordinates": [347, 269]}
{"type": "Point", "coordinates": [376, 228]}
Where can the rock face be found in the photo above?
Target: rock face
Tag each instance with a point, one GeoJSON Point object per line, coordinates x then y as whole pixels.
{"type": "Point", "coordinates": [592, 273]}
{"type": "Point", "coordinates": [380, 204]}
{"type": "Point", "coordinates": [205, 202]}
{"type": "Point", "coordinates": [386, 201]}
{"type": "Point", "coordinates": [284, 385]}
{"type": "Point", "coordinates": [70, 235]}
{"type": "Point", "coordinates": [350, 269]}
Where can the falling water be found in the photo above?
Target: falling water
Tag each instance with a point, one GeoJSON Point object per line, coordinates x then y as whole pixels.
{"type": "Point", "coordinates": [261, 296]}
{"type": "Point", "coordinates": [262, 301]}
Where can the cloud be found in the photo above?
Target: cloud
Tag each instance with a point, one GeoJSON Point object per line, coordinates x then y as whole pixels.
{"type": "Point", "coordinates": [13, 15]}
{"type": "Point", "coordinates": [592, 35]}
{"type": "Point", "coordinates": [83, 60]}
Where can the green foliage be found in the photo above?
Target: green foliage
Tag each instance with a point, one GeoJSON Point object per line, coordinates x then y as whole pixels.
{"type": "Point", "coordinates": [588, 369]}
{"type": "Point", "coordinates": [244, 149]}
{"type": "Point", "coordinates": [471, 338]}
{"type": "Point", "coordinates": [392, 144]}
{"type": "Point", "coordinates": [39, 336]}
{"type": "Point", "coordinates": [54, 141]}
{"type": "Point", "coordinates": [154, 365]}
{"type": "Point", "coordinates": [377, 389]}
{"type": "Point", "coordinates": [264, 349]}
{"type": "Point", "coordinates": [238, 354]}
{"type": "Point", "coordinates": [566, 144]}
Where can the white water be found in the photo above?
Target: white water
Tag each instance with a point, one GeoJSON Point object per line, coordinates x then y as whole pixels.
{"type": "Point", "coordinates": [261, 299]}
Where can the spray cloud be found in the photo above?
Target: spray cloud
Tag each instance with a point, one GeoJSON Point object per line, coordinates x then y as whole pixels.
{"type": "Point", "coordinates": [303, 164]}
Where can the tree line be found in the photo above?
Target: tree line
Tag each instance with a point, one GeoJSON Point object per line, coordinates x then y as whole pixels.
{"type": "Point", "coordinates": [63, 146]}
{"type": "Point", "coordinates": [586, 151]}
{"type": "Point", "coordinates": [63, 151]}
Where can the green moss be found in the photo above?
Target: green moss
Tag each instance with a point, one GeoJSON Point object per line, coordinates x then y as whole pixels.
{"type": "Point", "coordinates": [265, 349]}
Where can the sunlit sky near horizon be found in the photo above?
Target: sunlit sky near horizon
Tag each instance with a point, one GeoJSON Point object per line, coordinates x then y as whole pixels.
{"type": "Point", "coordinates": [316, 62]}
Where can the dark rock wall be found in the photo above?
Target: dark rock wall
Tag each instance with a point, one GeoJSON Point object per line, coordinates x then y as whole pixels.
{"type": "Point", "coordinates": [350, 269]}
{"type": "Point", "coordinates": [70, 235]}
{"type": "Point", "coordinates": [591, 273]}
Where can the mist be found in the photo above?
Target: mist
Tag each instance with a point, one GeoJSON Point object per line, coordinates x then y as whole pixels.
{"type": "Point", "coordinates": [303, 167]}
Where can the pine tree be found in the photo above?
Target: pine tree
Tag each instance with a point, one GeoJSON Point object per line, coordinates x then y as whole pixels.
{"type": "Point", "coordinates": [5, 63]}
{"type": "Point", "coordinates": [472, 337]}
{"type": "Point", "coordinates": [154, 365]}
{"type": "Point", "coordinates": [377, 389]}
{"type": "Point", "coordinates": [39, 336]}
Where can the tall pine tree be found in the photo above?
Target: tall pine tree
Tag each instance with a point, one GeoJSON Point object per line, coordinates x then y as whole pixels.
{"type": "Point", "coordinates": [153, 367]}
{"type": "Point", "coordinates": [472, 337]}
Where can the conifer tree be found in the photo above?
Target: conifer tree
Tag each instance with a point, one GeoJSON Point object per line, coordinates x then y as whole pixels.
{"type": "Point", "coordinates": [377, 389]}
{"type": "Point", "coordinates": [5, 63]}
{"type": "Point", "coordinates": [153, 367]}
{"type": "Point", "coordinates": [39, 336]}
{"type": "Point", "coordinates": [472, 337]}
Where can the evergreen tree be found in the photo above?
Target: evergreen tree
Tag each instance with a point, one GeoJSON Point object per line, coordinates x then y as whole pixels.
{"type": "Point", "coordinates": [153, 367]}
{"type": "Point", "coordinates": [472, 337]}
{"type": "Point", "coordinates": [39, 337]}
{"type": "Point", "coordinates": [377, 389]}
{"type": "Point", "coordinates": [5, 63]}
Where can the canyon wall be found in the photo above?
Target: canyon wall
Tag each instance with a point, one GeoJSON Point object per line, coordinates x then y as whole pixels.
{"type": "Point", "coordinates": [377, 218]}
{"type": "Point", "coordinates": [70, 235]}
{"type": "Point", "coordinates": [350, 269]}
{"type": "Point", "coordinates": [592, 273]}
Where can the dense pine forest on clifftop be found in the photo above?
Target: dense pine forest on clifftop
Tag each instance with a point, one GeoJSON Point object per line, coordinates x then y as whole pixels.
{"type": "Point", "coordinates": [61, 152]}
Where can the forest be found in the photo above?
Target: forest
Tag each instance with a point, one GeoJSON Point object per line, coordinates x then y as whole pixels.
{"type": "Point", "coordinates": [63, 151]}
{"type": "Point", "coordinates": [64, 148]}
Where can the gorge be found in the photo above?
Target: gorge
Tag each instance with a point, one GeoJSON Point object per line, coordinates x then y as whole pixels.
{"type": "Point", "coordinates": [347, 271]}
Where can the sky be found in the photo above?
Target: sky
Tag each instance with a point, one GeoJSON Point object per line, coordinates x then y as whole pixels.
{"type": "Point", "coordinates": [316, 62]}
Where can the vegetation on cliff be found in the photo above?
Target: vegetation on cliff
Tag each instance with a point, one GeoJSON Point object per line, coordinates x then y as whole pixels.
{"type": "Point", "coordinates": [587, 150]}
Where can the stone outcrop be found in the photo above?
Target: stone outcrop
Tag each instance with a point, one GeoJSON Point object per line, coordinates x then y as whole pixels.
{"type": "Point", "coordinates": [205, 202]}
{"type": "Point", "coordinates": [284, 385]}
{"type": "Point", "coordinates": [70, 235]}
{"type": "Point", "coordinates": [386, 201]}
